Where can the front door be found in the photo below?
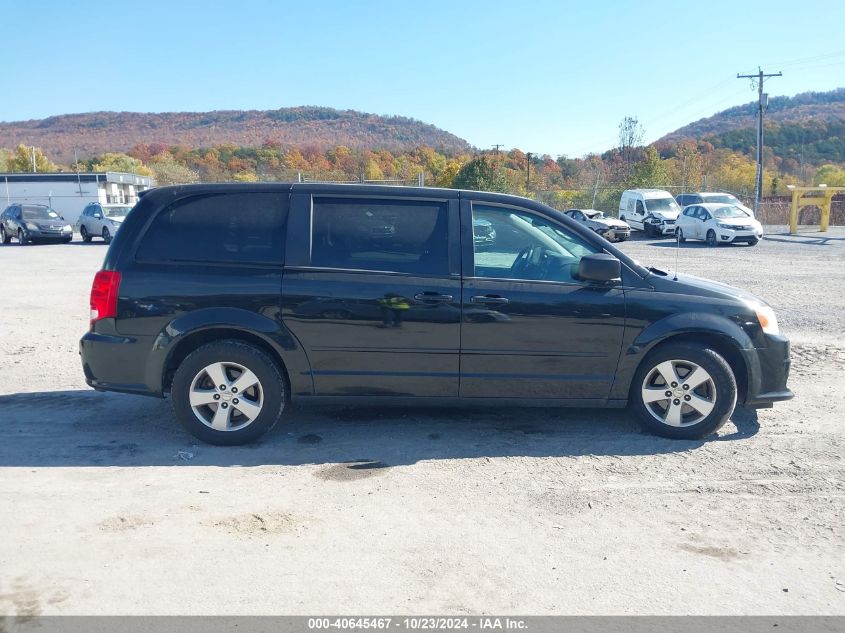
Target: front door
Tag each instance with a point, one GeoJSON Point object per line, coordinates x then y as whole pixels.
{"type": "Point", "coordinates": [531, 328]}
{"type": "Point", "coordinates": [374, 298]}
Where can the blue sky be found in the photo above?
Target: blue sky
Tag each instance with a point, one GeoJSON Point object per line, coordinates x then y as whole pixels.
{"type": "Point", "coordinates": [548, 77]}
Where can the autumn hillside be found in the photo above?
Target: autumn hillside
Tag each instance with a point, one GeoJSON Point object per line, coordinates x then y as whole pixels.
{"type": "Point", "coordinates": [98, 132]}
{"type": "Point", "coordinates": [806, 128]}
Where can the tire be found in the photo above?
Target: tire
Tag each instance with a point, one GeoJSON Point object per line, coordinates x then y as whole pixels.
{"type": "Point", "coordinates": [3, 237]}
{"type": "Point", "coordinates": [225, 360]}
{"type": "Point", "coordinates": [713, 400]}
{"type": "Point", "coordinates": [83, 232]}
{"type": "Point", "coordinates": [21, 238]}
{"type": "Point", "coordinates": [753, 242]}
{"type": "Point", "coordinates": [67, 240]}
{"type": "Point", "coordinates": [106, 235]}
{"type": "Point", "coordinates": [681, 237]}
{"type": "Point", "coordinates": [711, 238]}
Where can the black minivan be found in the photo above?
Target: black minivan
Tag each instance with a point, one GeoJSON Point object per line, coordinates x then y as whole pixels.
{"type": "Point", "coordinates": [238, 298]}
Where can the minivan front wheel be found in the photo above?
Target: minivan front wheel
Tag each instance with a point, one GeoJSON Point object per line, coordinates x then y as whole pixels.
{"type": "Point", "coordinates": [228, 393]}
{"type": "Point", "coordinates": [684, 391]}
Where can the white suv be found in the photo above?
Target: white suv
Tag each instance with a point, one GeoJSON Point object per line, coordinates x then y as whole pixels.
{"type": "Point", "coordinates": [718, 224]}
{"type": "Point", "coordinates": [101, 220]}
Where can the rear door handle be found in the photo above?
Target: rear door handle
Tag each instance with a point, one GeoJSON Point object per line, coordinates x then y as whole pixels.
{"type": "Point", "coordinates": [489, 299]}
{"type": "Point", "coordinates": [433, 297]}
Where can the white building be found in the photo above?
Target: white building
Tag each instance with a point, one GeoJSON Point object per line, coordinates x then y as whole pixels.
{"type": "Point", "coordinates": [69, 192]}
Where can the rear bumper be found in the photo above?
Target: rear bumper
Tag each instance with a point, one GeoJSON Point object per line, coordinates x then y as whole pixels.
{"type": "Point", "coordinates": [116, 363]}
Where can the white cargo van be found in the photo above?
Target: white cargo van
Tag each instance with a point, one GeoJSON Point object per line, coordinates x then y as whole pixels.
{"type": "Point", "coordinates": [651, 210]}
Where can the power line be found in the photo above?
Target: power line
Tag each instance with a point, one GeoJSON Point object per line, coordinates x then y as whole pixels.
{"type": "Point", "coordinates": [762, 102]}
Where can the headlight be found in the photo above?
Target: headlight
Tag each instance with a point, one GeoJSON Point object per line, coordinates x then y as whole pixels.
{"type": "Point", "coordinates": [67, 227]}
{"type": "Point", "coordinates": [768, 320]}
{"type": "Point", "coordinates": [722, 225]}
{"type": "Point", "coordinates": [31, 226]}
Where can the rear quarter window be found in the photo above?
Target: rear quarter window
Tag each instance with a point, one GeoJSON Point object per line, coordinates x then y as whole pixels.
{"type": "Point", "coordinates": [218, 228]}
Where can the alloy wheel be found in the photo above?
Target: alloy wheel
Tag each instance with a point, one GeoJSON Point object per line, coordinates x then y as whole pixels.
{"type": "Point", "coordinates": [226, 396]}
{"type": "Point", "coordinates": [679, 393]}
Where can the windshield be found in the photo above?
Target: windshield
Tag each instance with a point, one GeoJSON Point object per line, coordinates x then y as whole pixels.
{"type": "Point", "coordinates": [116, 212]}
{"type": "Point", "coordinates": [724, 198]}
{"type": "Point", "coordinates": [729, 212]}
{"type": "Point", "coordinates": [39, 213]}
{"type": "Point", "coordinates": [595, 215]}
{"type": "Point", "coordinates": [662, 205]}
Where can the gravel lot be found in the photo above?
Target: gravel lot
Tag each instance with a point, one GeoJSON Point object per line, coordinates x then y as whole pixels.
{"type": "Point", "coordinates": [108, 507]}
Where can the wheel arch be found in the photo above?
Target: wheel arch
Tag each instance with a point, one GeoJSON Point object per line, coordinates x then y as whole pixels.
{"type": "Point", "coordinates": [192, 341]}
{"type": "Point", "coordinates": [719, 343]}
{"type": "Point", "coordinates": [721, 334]}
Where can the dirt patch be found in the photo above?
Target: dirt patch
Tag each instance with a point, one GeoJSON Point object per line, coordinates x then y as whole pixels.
{"type": "Point", "coordinates": [123, 523]}
{"type": "Point", "coordinates": [722, 553]}
{"type": "Point", "coordinates": [351, 471]}
{"type": "Point", "coordinates": [259, 523]}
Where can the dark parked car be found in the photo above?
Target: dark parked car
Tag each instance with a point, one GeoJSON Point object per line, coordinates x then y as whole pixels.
{"type": "Point", "coordinates": [33, 223]}
{"type": "Point", "coordinates": [235, 299]}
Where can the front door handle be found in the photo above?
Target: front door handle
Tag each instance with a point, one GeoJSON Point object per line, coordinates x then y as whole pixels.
{"type": "Point", "coordinates": [489, 299]}
{"type": "Point", "coordinates": [433, 297]}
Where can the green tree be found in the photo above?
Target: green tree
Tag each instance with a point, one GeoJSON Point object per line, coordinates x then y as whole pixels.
{"type": "Point", "coordinates": [5, 157]}
{"type": "Point", "coordinates": [830, 175]}
{"type": "Point", "coordinates": [120, 162]}
{"type": "Point", "coordinates": [481, 174]}
{"type": "Point", "coordinates": [167, 171]}
{"type": "Point", "coordinates": [21, 160]}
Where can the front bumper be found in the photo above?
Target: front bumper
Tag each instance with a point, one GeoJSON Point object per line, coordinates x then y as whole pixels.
{"type": "Point", "coordinates": [729, 236]}
{"type": "Point", "coordinates": [770, 373]}
{"type": "Point", "coordinates": [43, 234]}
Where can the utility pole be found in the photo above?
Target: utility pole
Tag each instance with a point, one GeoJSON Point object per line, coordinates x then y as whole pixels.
{"type": "Point", "coordinates": [762, 103]}
{"type": "Point", "coordinates": [34, 168]}
{"type": "Point", "coordinates": [496, 148]}
{"type": "Point", "coordinates": [528, 165]}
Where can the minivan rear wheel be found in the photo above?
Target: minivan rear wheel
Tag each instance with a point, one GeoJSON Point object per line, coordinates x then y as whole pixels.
{"type": "Point", "coordinates": [684, 391]}
{"type": "Point", "coordinates": [228, 393]}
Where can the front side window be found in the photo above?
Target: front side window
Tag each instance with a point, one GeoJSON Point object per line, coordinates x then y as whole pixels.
{"type": "Point", "coordinates": [405, 236]}
{"type": "Point", "coordinates": [224, 228]}
{"type": "Point", "coordinates": [526, 247]}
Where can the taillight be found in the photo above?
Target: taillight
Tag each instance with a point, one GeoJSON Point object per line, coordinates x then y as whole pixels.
{"type": "Point", "coordinates": [104, 295]}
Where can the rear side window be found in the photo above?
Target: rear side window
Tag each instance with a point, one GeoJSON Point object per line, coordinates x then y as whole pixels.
{"type": "Point", "coordinates": [406, 236]}
{"type": "Point", "coordinates": [230, 227]}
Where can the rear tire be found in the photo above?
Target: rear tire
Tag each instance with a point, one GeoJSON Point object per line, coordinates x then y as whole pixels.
{"type": "Point", "coordinates": [688, 412]}
{"type": "Point", "coordinates": [198, 398]}
{"type": "Point", "coordinates": [711, 238]}
{"type": "Point", "coordinates": [681, 237]}
{"type": "Point", "coordinates": [3, 237]}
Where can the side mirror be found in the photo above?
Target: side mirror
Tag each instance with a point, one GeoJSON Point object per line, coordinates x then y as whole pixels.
{"type": "Point", "coordinates": [600, 268]}
{"type": "Point", "coordinates": [98, 216]}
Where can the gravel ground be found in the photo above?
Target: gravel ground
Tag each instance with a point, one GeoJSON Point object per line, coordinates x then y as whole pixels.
{"type": "Point", "coordinates": [109, 508]}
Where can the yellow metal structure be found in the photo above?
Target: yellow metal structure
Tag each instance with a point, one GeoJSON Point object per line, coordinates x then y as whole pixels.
{"type": "Point", "coordinates": [820, 197]}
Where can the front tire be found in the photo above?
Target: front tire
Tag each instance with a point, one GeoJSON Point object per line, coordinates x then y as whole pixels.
{"type": "Point", "coordinates": [83, 233]}
{"type": "Point", "coordinates": [21, 238]}
{"type": "Point", "coordinates": [684, 391]}
{"type": "Point", "coordinates": [753, 242]}
{"type": "Point", "coordinates": [228, 393]}
{"type": "Point", "coordinates": [106, 235]}
{"type": "Point", "coordinates": [3, 236]}
{"type": "Point", "coordinates": [711, 238]}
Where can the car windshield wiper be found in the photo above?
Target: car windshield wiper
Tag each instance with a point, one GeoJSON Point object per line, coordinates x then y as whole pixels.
{"type": "Point", "coordinates": [657, 271]}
